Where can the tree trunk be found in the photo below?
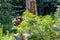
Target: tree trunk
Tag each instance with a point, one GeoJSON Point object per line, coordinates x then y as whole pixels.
{"type": "Point", "coordinates": [31, 6]}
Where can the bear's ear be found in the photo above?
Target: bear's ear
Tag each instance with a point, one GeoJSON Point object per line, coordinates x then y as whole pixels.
{"type": "Point", "coordinates": [18, 17]}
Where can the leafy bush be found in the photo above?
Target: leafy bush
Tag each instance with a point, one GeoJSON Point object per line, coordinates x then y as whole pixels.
{"type": "Point", "coordinates": [40, 28]}
{"type": "Point", "coordinates": [8, 36]}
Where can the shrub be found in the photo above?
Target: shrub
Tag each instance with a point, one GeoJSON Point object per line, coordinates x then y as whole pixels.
{"type": "Point", "coordinates": [8, 36]}
{"type": "Point", "coordinates": [40, 28]}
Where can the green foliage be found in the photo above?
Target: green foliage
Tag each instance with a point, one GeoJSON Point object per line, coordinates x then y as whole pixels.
{"type": "Point", "coordinates": [1, 33]}
{"type": "Point", "coordinates": [40, 28]}
{"type": "Point", "coordinates": [8, 36]}
{"type": "Point", "coordinates": [7, 13]}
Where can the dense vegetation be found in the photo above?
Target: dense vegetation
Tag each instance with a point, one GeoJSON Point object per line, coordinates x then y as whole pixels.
{"type": "Point", "coordinates": [9, 9]}
{"type": "Point", "coordinates": [12, 8]}
{"type": "Point", "coordinates": [39, 28]}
